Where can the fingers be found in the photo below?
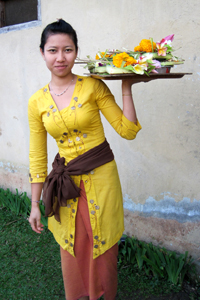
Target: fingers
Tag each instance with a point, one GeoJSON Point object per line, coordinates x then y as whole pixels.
{"type": "Point", "coordinates": [35, 220]}
{"type": "Point", "coordinates": [39, 226]}
{"type": "Point", "coordinates": [36, 225]}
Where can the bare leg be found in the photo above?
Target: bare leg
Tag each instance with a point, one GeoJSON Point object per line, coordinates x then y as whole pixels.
{"type": "Point", "coordinates": [84, 298]}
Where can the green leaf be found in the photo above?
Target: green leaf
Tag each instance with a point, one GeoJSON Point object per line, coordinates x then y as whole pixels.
{"type": "Point", "coordinates": [151, 40]}
{"type": "Point", "coordinates": [129, 67]}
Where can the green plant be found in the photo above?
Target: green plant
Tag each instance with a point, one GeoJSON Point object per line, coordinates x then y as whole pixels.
{"type": "Point", "coordinates": [127, 249]}
{"type": "Point", "coordinates": [20, 204]}
{"type": "Point", "coordinates": [147, 258]}
{"type": "Point", "coordinates": [44, 220]}
{"type": "Point", "coordinates": [177, 266]}
{"type": "Point", "coordinates": [141, 250]}
{"type": "Point", "coordinates": [154, 260]}
{"type": "Point", "coordinates": [30, 266]}
{"type": "Point", "coordinates": [17, 203]}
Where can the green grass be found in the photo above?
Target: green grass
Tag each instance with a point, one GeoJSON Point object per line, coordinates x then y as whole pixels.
{"type": "Point", "coordinates": [29, 263]}
{"type": "Point", "coordinates": [30, 267]}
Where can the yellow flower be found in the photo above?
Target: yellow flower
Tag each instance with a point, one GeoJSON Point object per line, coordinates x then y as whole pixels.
{"type": "Point", "coordinates": [102, 54]}
{"type": "Point", "coordinates": [119, 58]}
{"type": "Point", "coordinates": [138, 49]}
{"type": "Point", "coordinates": [145, 46]}
{"type": "Point", "coordinates": [109, 55]}
{"type": "Point", "coordinates": [130, 61]}
{"type": "Point", "coordinates": [139, 69]}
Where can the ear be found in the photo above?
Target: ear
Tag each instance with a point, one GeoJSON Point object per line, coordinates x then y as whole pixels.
{"type": "Point", "coordinates": [42, 53]}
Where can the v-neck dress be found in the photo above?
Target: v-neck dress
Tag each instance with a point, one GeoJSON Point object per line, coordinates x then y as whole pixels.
{"type": "Point", "coordinates": [77, 129]}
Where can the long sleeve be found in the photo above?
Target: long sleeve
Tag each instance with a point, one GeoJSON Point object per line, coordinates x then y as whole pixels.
{"type": "Point", "coordinates": [38, 144]}
{"type": "Point", "coordinates": [113, 113]}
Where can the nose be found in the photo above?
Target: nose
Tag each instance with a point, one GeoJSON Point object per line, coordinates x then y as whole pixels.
{"type": "Point", "coordinates": [60, 56]}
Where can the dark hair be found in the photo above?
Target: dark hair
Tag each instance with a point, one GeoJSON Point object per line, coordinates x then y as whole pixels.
{"type": "Point", "coordinates": [58, 27]}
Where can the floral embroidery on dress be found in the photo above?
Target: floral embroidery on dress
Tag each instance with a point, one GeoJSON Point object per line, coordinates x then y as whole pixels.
{"type": "Point", "coordinates": [54, 112]}
{"type": "Point", "coordinates": [76, 104]}
{"type": "Point", "coordinates": [88, 180]}
{"type": "Point", "coordinates": [97, 241]}
{"type": "Point", "coordinates": [72, 205]}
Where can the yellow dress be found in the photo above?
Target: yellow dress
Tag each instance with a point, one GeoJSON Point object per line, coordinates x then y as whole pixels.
{"type": "Point", "coordinates": [77, 129]}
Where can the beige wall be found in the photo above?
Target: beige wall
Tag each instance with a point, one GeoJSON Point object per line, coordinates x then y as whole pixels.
{"type": "Point", "coordinates": [159, 170]}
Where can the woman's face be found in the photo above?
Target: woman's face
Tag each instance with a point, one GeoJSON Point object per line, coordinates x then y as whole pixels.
{"type": "Point", "coordinates": [59, 54]}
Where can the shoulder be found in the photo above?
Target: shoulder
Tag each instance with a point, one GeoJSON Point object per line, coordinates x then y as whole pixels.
{"type": "Point", "coordinates": [88, 80]}
{"type": "Point", "coordinates": [38, 96]}
{"type": "Point", "coordinates": [96, 84]}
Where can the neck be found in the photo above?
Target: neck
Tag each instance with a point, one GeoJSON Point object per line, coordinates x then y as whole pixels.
{"type": "Point", "coordinates": [61, 82]}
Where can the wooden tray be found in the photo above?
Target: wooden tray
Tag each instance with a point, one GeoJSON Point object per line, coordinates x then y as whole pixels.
{"type": "Point", "coordinates": [139, 78]}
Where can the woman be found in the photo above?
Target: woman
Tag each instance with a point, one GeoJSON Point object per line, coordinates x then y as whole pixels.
{"type": "Point", "coordinates": [87, 222]}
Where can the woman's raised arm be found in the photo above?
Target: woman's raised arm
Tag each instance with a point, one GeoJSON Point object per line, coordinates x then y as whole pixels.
{"type": "Point", "coordinates": [128, 104]}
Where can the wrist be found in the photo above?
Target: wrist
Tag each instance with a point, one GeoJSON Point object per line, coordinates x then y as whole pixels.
{"type": "Point", "coordinates": [126, 89]}
{"type": "Point", "coordinates": [35, 203]}
{"type": "Point", "coordinates": [126, 84]}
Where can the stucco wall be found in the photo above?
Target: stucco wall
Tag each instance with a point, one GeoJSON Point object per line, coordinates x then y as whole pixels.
{"type": "Point", "coordinates": [159, 170]}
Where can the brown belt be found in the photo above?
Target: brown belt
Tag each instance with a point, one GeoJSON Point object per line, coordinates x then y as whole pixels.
{"type": "Point", "coordinates": [59, 186]}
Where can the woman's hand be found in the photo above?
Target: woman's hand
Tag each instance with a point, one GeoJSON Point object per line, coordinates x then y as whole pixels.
{"type": "Point", "coordinates": [128, 82]}
{"type": "Point", "coordinates": [35, 218]}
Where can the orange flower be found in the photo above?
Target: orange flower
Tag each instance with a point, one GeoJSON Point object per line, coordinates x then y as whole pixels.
{"type": "Point", "coordinates": [130, 61]}
{"type": "Point", "coordinates": [109, 55]}
{"type": "Point", "coordinates": [138, 49]}
{"type": "Point", "coordinates": [102, 55]}
{"type": "Point", "coordinates": [119, 58]}
{"type": "Point", "coordinates": [145, 46]}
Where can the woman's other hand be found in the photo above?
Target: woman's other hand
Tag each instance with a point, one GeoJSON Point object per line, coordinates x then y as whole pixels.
{"type": "Point", "coordinates": [35, 219]}
{"type": "Point", "coordinates": [35, 216]}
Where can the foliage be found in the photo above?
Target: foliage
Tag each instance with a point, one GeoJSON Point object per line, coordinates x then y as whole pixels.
{"type": "Point", "coordinates": [30, 263]}
{"type": "Point", "coordinates": [20, 204]}
{"type": "Point", "coordinates": [155, 261]}
{"type": "Point", "coordinates": [30, 268]}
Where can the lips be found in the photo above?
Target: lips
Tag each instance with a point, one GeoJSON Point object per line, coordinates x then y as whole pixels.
{"type": "Point", "coordinates": [60, 67]}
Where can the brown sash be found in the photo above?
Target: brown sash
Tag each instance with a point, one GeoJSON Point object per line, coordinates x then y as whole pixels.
{"type": "Point", "coordinates": [59, 186]}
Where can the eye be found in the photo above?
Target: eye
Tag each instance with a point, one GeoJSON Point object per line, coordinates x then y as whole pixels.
{"type": "Point", "coordinates": [68, 50]}
{"type": "Point", "coordinates": [52, 50]}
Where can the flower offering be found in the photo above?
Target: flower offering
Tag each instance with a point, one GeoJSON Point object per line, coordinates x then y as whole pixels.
{"type": "Point", "coordinates": [148, 57]}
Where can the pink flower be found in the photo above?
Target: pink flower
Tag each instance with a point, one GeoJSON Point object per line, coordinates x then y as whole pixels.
{"type": "Point", "coordinates": [156, 63]}
{"type": "Point", "coordinates": [168, 39]}
{"type": "Point", "coordinates": [154, 71]}
{"type": "Point", "coordinates": [163, 44]}
{"type": "Point", "coordinates": [162, 51]}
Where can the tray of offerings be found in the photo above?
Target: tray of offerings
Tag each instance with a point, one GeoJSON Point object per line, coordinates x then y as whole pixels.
{"type": "Point", "coordinates": [138, 78]}
{"type": "Point", "coordinates": [148, 61]}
